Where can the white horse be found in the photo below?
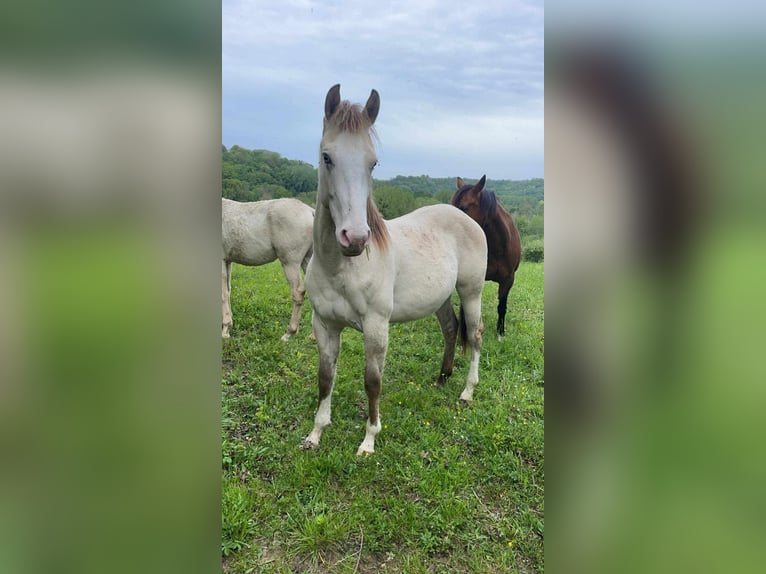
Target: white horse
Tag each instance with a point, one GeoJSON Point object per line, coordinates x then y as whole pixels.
{"type": "Point", "coordinates": [367, 272]}
{"type": "Point", "coordinates": [259, 232]}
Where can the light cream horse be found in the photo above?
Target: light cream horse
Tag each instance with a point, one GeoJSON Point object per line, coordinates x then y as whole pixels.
{"type": "Point", "coordinates": [367, 272]}
{"type": "Point", "coordinates": [260, 232]}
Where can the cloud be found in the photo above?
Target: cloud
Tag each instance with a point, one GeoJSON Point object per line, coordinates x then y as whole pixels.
{"type": "Point", "coordinates": [439, 66]}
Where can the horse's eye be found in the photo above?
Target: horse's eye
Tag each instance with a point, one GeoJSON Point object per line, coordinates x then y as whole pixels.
{"type": "Point", "coordinates": [326, 159]}
{"type": "Point", "coordinates": [374, 164]}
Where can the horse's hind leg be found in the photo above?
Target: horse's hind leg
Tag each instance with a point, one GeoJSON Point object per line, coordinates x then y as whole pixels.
{"type": "Point", "coordinates": [297, 292]}
{"type": "Point", "coordinates": [449, 324]}
{"type": "Point", "coordinates": [227, 321]}
{"type": "Point", "coordinates": [502, 303]}
{"type": "Point", "coordinates": [328, 342]}
{"type": "Point", "coordinates": [304, 265]}
{"type": "Point", "coordinates": [471, 315]}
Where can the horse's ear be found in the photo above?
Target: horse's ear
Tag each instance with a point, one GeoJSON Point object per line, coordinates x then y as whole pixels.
{"type": "Point", "coordinates": [372, 107]}
{"type": "Point", "coordinates": [331, 101]}
{"type": "Point", "coordinates": [460, 182]}
{"type": "Point", "coordinates": [479, 186]}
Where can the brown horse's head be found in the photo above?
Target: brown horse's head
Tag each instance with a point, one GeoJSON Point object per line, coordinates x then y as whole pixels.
{"type": "Point", "coordinates": [474, 200]}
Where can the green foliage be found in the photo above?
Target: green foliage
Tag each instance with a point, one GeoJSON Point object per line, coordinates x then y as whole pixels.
{"type": "Point", "coordinates": [269, 191]}
{"type": "Point", "coordinates": [534, 251]}
{"type": "Point", "coordinates": [422, 183]}
{"type": "Point", "coordinates": [309, 198]}
{"type": "Point", "coordinates": [237, 190]}
{"type": "Point", "coordinates": [450, 488]}
{"type": "Point", "coordinates": [393, 201]}
{"type": "Point", "coordinates": [444, 195]}
{"type": "Point", "coordinates": [237, 523]}
{"type": "Point", "coordinates": [532, 224]}
{"type": "Point", "coordinates": [517, 196]}
{"type": "Point", "coordinates": [252, 175]}
{"type": "Point", "coordinates": [425, 200]}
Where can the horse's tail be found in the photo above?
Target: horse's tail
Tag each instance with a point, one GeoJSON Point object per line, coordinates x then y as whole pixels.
{"type": "Point", "coordinates": [463, 331]}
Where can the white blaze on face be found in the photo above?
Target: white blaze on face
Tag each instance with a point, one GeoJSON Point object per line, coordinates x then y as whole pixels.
{"type": "Point", "coordinates": [351, 159]}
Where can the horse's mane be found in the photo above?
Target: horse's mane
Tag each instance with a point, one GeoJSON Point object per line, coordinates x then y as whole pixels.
{"type": "Point", "coordinates": [378, 227]}
{"type": "Point", "coordinates": [487, 204]}
{"type": "Point", "coordinates": [351, 118]}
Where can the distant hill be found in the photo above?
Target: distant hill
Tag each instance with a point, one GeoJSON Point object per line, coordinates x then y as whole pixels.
{"type": "Point", "coordinates": [252, 175]}
{"type": "Point", "coordinates": [520, 196]}
{"type": "Point", "coordinates": [269, 173]}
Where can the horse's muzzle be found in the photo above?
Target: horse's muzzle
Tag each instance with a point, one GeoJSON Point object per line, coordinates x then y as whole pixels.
{"type": "Point", "coordinates": [351, 244]}
{"type": "Point", "coordinates": [353, 249]}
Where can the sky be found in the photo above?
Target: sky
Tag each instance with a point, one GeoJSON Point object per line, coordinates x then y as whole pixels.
{"type": "Point", "coordinates": [460, 82]}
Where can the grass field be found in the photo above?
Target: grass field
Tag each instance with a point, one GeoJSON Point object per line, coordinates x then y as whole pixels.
{"type": "Point", "coordinates": [448, 489]}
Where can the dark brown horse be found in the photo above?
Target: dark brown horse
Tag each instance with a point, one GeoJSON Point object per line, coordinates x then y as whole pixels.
{"type": "Point", "coordinates": [504, 245]}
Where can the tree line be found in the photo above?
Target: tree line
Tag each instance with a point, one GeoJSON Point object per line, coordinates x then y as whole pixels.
{"type": "Point", "coordinates": [253, 175]}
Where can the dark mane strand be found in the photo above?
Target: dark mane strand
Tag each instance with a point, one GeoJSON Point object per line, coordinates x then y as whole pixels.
{"type": "Point", "coordinates": [487, 205]}
{"type": "Point", "coordinates": [378, 228]}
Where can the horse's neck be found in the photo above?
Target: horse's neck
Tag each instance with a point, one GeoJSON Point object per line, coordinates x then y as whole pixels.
{"type": "Point", "coordinates": [501, 233]}
{"type": "Point", "coordinates": [325, 245]}
{"type": "Point", "coordinates": [496, 231]}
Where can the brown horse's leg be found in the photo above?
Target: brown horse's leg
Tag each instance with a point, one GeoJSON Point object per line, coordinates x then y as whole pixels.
{"type": "Point", "coordinates": [449, 324]}
{"type": "Point", "coordinates": [375, 345]}
{"type": "Point", "coordinates": [502, 303]}
{"type": "Point", "coordinates": [328, 341]}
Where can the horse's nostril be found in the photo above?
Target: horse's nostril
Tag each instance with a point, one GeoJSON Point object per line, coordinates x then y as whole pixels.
{"type": "Point", "coordinates": [344, 239]}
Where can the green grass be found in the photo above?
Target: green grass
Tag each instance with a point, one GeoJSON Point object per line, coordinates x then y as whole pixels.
{"type": "Point", "coordinates": [448, 489]}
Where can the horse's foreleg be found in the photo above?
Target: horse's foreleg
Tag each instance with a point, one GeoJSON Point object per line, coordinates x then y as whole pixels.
{"type": "Point", "coordinates": [328, 341]}
{"type": "Point", "coordinates": [448, 323]}
{"type": "Point", "coordinates": [502, 303]}
{"type": "Point", "coordinates": [375, 345]}
{"type": "Point", "coordinates": [297, 292]}
{"type": "Point", "coordinates": [474, 329]}
{"type": "Point", "coordinates": [227, 321]}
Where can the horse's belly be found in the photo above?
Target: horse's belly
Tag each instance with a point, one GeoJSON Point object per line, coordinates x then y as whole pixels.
{"type": "Point", "coordinates": [251, 254]}
{"type": "Point", "coordinates": [418, 299]}
{"type": "Point", "coordinates": [411, 311]}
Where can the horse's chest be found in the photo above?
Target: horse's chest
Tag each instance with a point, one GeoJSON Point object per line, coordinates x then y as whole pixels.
{"type": "Point", "coordinates": [335, 306]}
{"type": "Point", "coordinates": [347, 300]}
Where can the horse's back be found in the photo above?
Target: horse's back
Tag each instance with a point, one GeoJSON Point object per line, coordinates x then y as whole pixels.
{"type": "Point", "coordinates": [439, 231]}
{"type": "Point", "coordinates": [436, 248]}
{"type": "Point", "coordinates": [258, 232]}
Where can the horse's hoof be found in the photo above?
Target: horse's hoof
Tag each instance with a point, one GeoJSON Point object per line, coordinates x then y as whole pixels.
{"type": "Point", "coordinates": [225, 335]}
{"type": "Point", "coordinates": [309, 445]}
{"type": "Point", "coordinates": [361, 452]}
{"type": "Point", "coordinates": [441, 380]}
